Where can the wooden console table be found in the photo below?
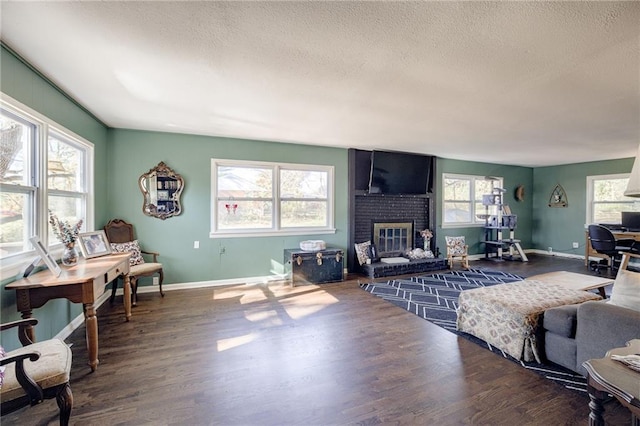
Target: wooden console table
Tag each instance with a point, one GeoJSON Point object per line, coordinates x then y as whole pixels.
{"type": "Point", "coordinates": [607, 376]}
{"type": "Point", "coordinates": [82, 283]}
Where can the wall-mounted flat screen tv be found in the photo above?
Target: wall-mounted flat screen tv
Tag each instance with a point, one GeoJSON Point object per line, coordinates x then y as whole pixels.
{"type": "Point", "coordinates": [401, 173]}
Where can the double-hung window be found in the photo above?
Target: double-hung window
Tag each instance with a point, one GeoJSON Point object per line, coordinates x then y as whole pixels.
{"type": "Point", "coordinates": [462, 198]}
{"type": "Point", "coordinates": [259, 198]}
{"type": "Point", "coordinates": [606, 200]}
{"type": "Point", "coordinates": [43, 167]}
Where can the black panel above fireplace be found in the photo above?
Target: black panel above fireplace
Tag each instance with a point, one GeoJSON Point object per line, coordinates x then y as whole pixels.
{"type": "Point", "coordinates": [397, 173]}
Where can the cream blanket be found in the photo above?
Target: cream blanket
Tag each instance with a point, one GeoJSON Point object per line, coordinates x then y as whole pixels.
{"type": "Point", "coordinates": [507, 316]}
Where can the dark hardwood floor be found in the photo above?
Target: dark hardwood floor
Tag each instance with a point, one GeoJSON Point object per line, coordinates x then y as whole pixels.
{"type": "Point", "coordinates": [269, 354]}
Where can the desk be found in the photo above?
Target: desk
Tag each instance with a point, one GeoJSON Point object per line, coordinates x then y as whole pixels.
{"type": "Point", "coordinates": [82, 283]}
{"type": "Point", "coordinates": [606, 376]}
{"type": "Point", "coordinates": [619, 235]}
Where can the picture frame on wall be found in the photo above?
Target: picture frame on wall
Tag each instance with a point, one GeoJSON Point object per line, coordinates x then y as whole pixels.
{"type": "Point", "coordinates": [94, 244]}
{"type": "Point", "coordinates": [45, 256]}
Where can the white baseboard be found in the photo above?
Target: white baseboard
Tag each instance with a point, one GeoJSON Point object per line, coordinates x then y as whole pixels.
{"type": "Point", "coordinates": [556, 253]}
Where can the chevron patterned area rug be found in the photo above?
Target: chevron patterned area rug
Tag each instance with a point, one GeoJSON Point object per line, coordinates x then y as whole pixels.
{"type": "Point", "coordinates": [435, 298]}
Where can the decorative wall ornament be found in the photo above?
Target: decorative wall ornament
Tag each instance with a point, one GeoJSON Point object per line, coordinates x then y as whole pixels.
{"type": "Point", "coordinates": [558, 197]}
{"type": "Point", "coordinates": [161, 188]}
{"type": "Point", "coordinates": [519, 193]}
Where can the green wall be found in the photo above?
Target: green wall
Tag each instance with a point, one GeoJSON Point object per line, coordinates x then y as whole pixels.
{"type": "Point", "coordinates": [26, 86]}
{"type": "Point", "coordinates": [560, 227]}
{"type": "Point", "coordinates": [133, 153]}
{"type": "Point", "coordinates": [513, 176]}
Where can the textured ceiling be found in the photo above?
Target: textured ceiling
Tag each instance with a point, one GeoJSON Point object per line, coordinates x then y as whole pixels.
{"type": "Point", "coordinates": [523, 83]}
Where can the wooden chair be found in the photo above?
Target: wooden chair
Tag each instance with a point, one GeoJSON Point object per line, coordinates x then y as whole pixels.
{"type": "Point", "coordinates": [121, 233]}
{"type": "Point", "coordinates": [457, 248]}
{"type": "Point", "coordinates": [36, 372]}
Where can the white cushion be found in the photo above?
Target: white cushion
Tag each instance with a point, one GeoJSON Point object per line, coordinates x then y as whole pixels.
{"type": "Point", "coordinates": [51, 369]}
{"type": "Point", "coordinates": [626, 290]}
{"type": "Point", "coordinates": [144, 268]}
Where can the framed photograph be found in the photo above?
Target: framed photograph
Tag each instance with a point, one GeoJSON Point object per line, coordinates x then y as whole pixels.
{"type": "Point", "coordinates": [45, 256]}
{"type": "Point", "coordinates": [94, 244]}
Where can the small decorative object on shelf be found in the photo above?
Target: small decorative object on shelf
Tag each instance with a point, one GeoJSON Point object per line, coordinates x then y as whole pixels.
{"type": "Point", "coordinates": [426, 235]}
{"type": "Point", "coordinates": [67, 234]}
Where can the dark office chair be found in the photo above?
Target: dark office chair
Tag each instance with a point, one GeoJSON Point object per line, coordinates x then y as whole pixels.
{"type": "Point", "coordinates": [604, 242]}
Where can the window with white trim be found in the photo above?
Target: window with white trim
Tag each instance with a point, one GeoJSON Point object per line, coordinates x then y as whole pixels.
{"type": "Point", "coordinates": [252, 198]}
{"type": "Point", "coordinates": [42, 167]}
{"type": "Point", "coordinates": [606, 200]}
{"type": "Point", "coordinates": [462, 198]}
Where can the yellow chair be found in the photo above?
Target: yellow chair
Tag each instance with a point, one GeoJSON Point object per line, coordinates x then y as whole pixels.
{"type": "Point", "coordinates": [457, 248]}
{"type": "Point", "coordinates": [36, 372]}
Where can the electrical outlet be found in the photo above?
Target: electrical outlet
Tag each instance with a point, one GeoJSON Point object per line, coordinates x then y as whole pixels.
{"type": "Point", "coordinates": [575, 245]}
{"type": "Point", "coordinates": [196, 244]}
{"type": "Point", "coordinates": [550, 249]}
{"type": "Point", "coordinates": [156, 280]}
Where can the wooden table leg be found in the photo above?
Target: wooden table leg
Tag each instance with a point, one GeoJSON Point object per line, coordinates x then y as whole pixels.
{"type": "Point", "coordinates": [596, 406]}
{"type": "Point", "coordinates": [127, 297]}
{"type": "Point", "coordinates": [29, 331]}
{"type": "Point", "coordinates": [91, 323]}
{"type": "Point", "coordinates": [23, 302]}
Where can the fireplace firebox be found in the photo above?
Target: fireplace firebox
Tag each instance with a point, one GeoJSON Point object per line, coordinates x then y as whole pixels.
{"type": "Point", "coordinates": [392, 238]}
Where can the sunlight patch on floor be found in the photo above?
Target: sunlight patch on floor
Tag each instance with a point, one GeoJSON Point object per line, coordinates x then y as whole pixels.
{"type": "Point", "coordinates": [307, 304]}
{"type": "Point", "coordinates": [258, 314]}
{"type": "Point", "coordinates": [245, 293]}
{"type": "Point", "coordinates": [234, 342]}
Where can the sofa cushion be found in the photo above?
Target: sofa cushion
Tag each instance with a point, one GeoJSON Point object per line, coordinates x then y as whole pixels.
{"type": "Point", "coordinates": [626, 290]}
{"type": "Point", "coordinates": [601, 327]}
{"type": "Point", "coordinates": [560, 350]}
{"type": "Point", "coordinates": [561, 320]}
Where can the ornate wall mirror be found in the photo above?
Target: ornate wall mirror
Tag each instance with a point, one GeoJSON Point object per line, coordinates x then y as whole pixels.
{"type": "Point", "coordinates": [161, 188]}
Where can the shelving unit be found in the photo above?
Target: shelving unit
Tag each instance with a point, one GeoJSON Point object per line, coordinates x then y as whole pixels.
{"type": "Point", "coordinates": [495, 226]}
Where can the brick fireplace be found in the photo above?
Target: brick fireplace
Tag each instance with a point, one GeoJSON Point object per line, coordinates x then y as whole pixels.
{"type": "Point", "coordinates": [367, 209]}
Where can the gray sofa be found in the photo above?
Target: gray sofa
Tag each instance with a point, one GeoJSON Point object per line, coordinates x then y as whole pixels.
{"type": "Point", "coordinates": [576, 333]}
